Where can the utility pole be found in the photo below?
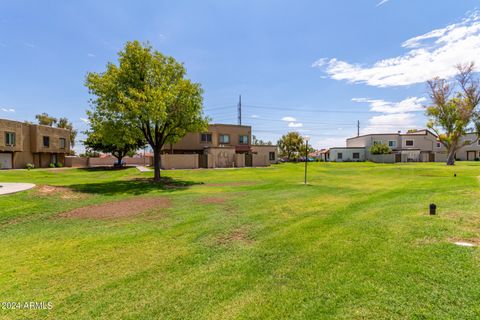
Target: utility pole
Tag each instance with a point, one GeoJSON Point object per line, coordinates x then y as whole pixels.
{"type": "Point", "coordinates": [240, 110]}
{"type": "Point", "coordinates": [358, 128]}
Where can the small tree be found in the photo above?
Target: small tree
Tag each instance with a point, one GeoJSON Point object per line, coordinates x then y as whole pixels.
{"type": "Point", "coordinates": [111, 134]}
{"type": "Point", "coordinates": [45, 119]}
{"type": "Point", "coordinates": [65, 124]}
{"type": "Point", "coordinates": [149, 91]}
{"type": "Point", "coordinates": [380, 148]}
{"type": "Point", "coordinates": [454, 108]}
{"type": "Point", "coordinates": [291, 145]}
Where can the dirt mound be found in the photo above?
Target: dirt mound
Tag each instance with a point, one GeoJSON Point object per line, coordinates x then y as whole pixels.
{"type": "Point", "coordinates": [63, 192]}
{"type": "Point", "coordinates": [118, 209]}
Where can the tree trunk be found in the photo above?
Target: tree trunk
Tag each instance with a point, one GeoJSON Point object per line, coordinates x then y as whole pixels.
{"type": "Point", "coordinates": [156, 164]}
{"type": "Point", "coordinates": [451, 157]}
{"type": "Point", "coordinates": [119, 160]}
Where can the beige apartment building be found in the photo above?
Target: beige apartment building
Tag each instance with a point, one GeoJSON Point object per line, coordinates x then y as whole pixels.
{"type": "Point", "coordinates": [221, 146]}
{"type": "Point", "coordinates": [418, 146]}
{"type": "Point", "coordinates": [23, 143]}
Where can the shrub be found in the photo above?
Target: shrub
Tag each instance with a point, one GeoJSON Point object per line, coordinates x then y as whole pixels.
{"type": "Point", "coordinates": [29, 166]}
{"type": "Point", "coordinates": [59, 165]}
{"type": "Point", "coordinates": [477, 159]}
{"type": "Point", "coordinates": [52, 165]}
{"type": "Point", "coordinates": [380, 148]}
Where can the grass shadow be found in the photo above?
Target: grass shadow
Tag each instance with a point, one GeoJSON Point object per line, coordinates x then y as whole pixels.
{"type": "Point", "coordinates": [136, 186]}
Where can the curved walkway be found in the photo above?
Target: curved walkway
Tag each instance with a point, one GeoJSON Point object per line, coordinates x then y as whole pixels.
{"type": "Point", "coordinates": [8, 187]}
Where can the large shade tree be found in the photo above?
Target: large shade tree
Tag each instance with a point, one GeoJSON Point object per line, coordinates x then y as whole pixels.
{"type": "Point", "coordinates": [291, 145]}
{"type": "Point", "coordinates": [110, 133]}
{"type": "Point", "coordinates": [151, 93]}
{"type": "Point", "coordinates": [453, 110]}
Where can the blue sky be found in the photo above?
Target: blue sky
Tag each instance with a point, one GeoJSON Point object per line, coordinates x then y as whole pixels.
{"type": "Point", "coordinates": [318, 65]}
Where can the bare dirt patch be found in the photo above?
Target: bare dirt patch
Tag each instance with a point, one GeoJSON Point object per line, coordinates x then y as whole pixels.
{"type": "Point", "coordinates": [237, 235]}
{"type": "Point", "coordinates": [118, 209]}
{"type": "Point", "coordinates": [63, 192]}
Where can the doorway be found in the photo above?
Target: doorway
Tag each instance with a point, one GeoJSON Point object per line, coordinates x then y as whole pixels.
{"type": "Point", "coordinates": [471, 155]}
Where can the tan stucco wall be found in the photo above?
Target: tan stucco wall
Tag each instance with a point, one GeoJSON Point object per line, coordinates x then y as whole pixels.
{"type": "Point", "coordinates": [261, 154]}
{"type": "Point", "coordinates": [76, 162]}
{"type": "Point", "coordinates": [29, 143]}
{"type": "Point", "coordinates": [38, 132]}
{"type": "Point", "coordinates": [383, 158]}
{"type": "Point", "coordinates": [15, 127]}
{"type": "Point", "coordinates": [192, 141]}
{"type": "Point", "coordinates": [239, 160]}
{"type": "Point", "coordinates": [222, 157]}
{"type": "Point", "coordinates": [179, 161]}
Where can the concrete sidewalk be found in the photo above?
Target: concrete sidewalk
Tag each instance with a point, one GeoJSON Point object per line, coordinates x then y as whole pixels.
{"type": "Point", "coordinates": [8, 187]}
{"type": "Point", "coordinates": [143, 169]}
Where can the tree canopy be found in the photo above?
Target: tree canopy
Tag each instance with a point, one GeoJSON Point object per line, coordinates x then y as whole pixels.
{"type": "Point", "coordinates": [45, 119]}
{"type": "Point", "coordinates": [110, 133]}
{"type": "Point", "coordinates": [66, 124]}
{"type": "Point", "coordinates": [380, 148]}
{"type": "Point", "coordinates": [151, 93]}
{"type": "Point", "coordinates": [291, 145]}
{"type": "Point", "coordinates": [453, 109]}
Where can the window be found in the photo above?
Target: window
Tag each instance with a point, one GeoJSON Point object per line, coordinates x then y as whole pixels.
{"type": "Point", "coordinates": [392, 143]}
{"type": "Point", "coordinates": [9, 138]}
{"type": "Point", "coordinates": [206, 137]}
{"type": "Point", "coordinates": [46, 141]}
{"type": "Point", "coordinates": [340, 156]}
{"type": "Point", "coordinates": [356, 155]}
{"type": "Point", "coordinates": [271, 156]}
{"type": "Point", "coordinates": [439, 145]}
{"type": "Point", "coordinates": [62, 143]}
{"type": "Point", "coordinates": [224, 139]}
{"type": "Point", "coordinates": [243, 140]}
{"type": "Point", "coordinates": [377, 142]}
{"type": "Point", "coordinates": [409, 143]}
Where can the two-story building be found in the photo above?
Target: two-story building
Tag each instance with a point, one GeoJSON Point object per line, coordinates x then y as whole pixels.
{"type": "Point", "coordinates": [224, 146]}
{"type": "Point", "coordinates": [23, 143]}
{"type": "Point", "coordinates": [415, 146]}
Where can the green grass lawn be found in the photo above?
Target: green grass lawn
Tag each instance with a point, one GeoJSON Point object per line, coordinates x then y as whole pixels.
{"type": "Point", "coordinates": [356, 243]}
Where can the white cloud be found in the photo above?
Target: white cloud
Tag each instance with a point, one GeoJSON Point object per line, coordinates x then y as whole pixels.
{"type": "Point", "coordinates": [329, 142]}
{"type": "Point", "coordinates": [411, 104]}
{"type": "Point", "coordinates": [91, 55]}
{"type": "Point", "coordinates": [289, 119]}
{"type": "Point", "coordinates": [382, 3]}
{"type": "Point", "coordinates": [7, 109]}
{"type": "Point", "coordinates": [435, 53]}
{"type": "Point", "coordinates": [295, 124]}
{"type": "Point", "coordinates": [30, 45]}
{"type": "Point", "coordinates": [254, 116]}
{"type": "Point", "coordinates": [391, 123]}
{"type": "Point", "coordinates": [85, 120]}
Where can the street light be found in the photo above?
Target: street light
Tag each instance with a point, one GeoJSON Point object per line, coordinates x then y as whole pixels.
{"type": "Point", "coordinates": [306, 156]}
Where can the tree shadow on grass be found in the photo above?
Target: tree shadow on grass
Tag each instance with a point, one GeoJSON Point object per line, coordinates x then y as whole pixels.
{"type": "Point", "coordinates": [134, 187]}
